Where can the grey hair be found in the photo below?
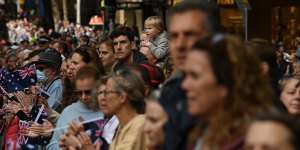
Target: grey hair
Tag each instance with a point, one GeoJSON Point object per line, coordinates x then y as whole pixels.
{"type": "Point", "coordinates": [132, 85]}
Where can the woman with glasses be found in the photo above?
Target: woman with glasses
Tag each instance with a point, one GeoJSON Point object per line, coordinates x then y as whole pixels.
{"type": "Point", "coordinates": [225, 90]}
{"type": "Point", "coordinates": [125, 92]}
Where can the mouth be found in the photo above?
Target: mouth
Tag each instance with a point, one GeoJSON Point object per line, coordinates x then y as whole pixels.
{"type": "Point", "coordinates": [295, 105]}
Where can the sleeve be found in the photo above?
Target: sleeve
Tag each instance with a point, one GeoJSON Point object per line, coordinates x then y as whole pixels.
{"type": "Point", "coordinates": [55, 97]}
{"type": "Point", "coordinates": [53, 144]}
{"type": "Point", "coordinates": [160, 47]}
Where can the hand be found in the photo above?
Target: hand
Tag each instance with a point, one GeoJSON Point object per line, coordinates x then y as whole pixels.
{"type": "Point", "coordinates": [12, 107]}
{"type": "Point", "coordinates": [86, 142]}
{"type": "Point", "coordinates": [75, 128]}
{"type": "Point", "coordinates": [44, 129]}
{"type": "Point", "coordinates": [25, 99]}
{"type": "Point", "coordinates": [35, 130]}
{"type": "Point", "coordinates": [69, 141]}
{"type": "Point", "coordinates": [48, 127]}
{"type": "Point", "coordinates": [147, 52]}
{"type": "Point", "coordinates": [145, 43]}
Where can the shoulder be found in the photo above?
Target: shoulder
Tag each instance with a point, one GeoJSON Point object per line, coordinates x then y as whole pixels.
{"type": "Point", "coordinates": [69, 109]}
{"type": "Point", "coordinates": [136, 124]}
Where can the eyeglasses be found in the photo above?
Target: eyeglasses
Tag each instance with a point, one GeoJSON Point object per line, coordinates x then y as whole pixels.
{"type": "Point", "coordinates": [105, 93]}
{"type": "Point", "coordinates": [85, 92]}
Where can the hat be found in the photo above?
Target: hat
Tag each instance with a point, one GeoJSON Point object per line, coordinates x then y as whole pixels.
{"type": "Point", "coordinates": [43, 40]}
{"type": "Point", "coordinates": [50, 58]}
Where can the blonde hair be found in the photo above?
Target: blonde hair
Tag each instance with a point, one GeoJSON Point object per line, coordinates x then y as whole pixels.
{"type": "Point", "coordinates": [156, 21]}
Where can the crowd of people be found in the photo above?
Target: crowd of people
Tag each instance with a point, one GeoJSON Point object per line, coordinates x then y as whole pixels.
{"type": "Point", "coordinates": [184, 86]}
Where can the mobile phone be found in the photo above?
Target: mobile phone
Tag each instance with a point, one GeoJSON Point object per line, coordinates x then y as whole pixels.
{"type": "Point", "coordinates": [22, 115]}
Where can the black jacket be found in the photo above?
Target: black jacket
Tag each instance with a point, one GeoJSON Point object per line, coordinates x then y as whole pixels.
{"type": "Point", "coordinates": [173, 100]}
{"type": "Point", "coordinates": [138, 58]}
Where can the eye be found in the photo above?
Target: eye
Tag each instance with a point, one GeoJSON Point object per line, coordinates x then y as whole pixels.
{"type": "Point", "coordinates": [194, 75]}
{"type": "Point", "coordinates": [291, 92]}
{"type": "Point", "coordinates": [173, 36]}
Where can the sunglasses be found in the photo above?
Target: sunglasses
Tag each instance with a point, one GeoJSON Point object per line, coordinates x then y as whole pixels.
{"type": "Point", "coordinates": [85, 92]}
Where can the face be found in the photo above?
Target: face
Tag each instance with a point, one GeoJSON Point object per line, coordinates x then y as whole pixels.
{"type": "Point", "coordinates": [102, 101]}
{"type": "Point", "coordinates": [76, 63]}
{"type": "Point", "coordinates": [204, 94]}
{"type": "Point", "coordinates": [49, 72]}
{"type": "Point", "coordinates": [290, 96]}
{"type": "Point", "coordinates": [296, 67]}
{"type": "Point", "coordinates": [268, 135]}
{"type": "Point", "coordinates": [12, 63]}
{"type": "Point", "coordinates": [84, 88]}
{"type": "Point", "coordinates": [182, 36]}
{"type": "Point", "coordinates": [114, 99]}
{"type": "Point", "coordinates": [155, 121]}
{"type": "Point", "coordinates": [122, 47]}
{"type": "Point", "coordinates": [56, 46]}
{"type": "Point", "coordinates": [106, 55]}
{"type": "Point", "coordinates": [151, 30]}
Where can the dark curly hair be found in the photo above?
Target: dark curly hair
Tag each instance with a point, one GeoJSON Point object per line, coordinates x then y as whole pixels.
{"type": "Point", "coordinates": [123, 30]}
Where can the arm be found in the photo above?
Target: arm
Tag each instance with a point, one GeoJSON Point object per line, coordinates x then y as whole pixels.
{"type": "Point", "coordinates": [160, 47]}
{"type": "Point", "coordinates": [55, 97]}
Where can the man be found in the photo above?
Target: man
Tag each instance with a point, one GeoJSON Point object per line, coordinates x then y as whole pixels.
{"type": "Point", "coordinates": [198, 23]}
{"type": "Point", "coordinates": [85, 108]}
{"type": "Point", "coordinates": [123, 41]}
{"type": "Point", "coordinates": [106, 53]}
{"type": "Point", "coordinates": [48, 74]}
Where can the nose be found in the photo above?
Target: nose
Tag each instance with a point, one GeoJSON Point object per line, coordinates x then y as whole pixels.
{"type": "Point", "coordinates": [84, 96]}
{"type": "Point", "coordinates": [118, 45]}
{"type": "Point", "coordinates": [181, 42]}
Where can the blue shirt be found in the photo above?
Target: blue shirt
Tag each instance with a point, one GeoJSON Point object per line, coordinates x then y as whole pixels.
{"type": "Point", "coordinates": [55, 91]}
{"type": "Point", "coordinates": [70, 113]}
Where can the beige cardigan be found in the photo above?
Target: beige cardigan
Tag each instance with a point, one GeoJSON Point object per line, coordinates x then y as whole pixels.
{"type": "Point", "coordinates": [130, 136]}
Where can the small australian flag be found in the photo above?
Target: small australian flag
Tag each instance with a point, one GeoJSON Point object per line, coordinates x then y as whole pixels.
{"type": "Point", "coordinates": [18, 80]}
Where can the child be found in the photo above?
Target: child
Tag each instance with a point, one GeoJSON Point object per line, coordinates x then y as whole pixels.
{"type": "Point", "coordinates": [157, 37]}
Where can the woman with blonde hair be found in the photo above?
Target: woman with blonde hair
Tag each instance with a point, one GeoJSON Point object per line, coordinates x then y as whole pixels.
{"type": "Point", "coordinates": [225, 90]}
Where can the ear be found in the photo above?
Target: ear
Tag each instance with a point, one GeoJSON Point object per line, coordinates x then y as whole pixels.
{"type": "Point", "coordinates": [123, 98]}
{"type": "Point", "coordinates": [264, 68]}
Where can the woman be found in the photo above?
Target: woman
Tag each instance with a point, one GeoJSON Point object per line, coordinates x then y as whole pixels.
{"type": "Point", "coordinates": [156, 118]}
{"type": "Point", "coordinates": [81, 57]}
{"type": "Point", "coordinates": [124, 98]}
{"type": "Point", "coordinates": [225, 90]}
{"type": "Point", "coordinates": [290, 94]}
{"type": "Point", "coordinates": [126, 90]}
{"type": "Point", "coordinates": [273, 131]}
